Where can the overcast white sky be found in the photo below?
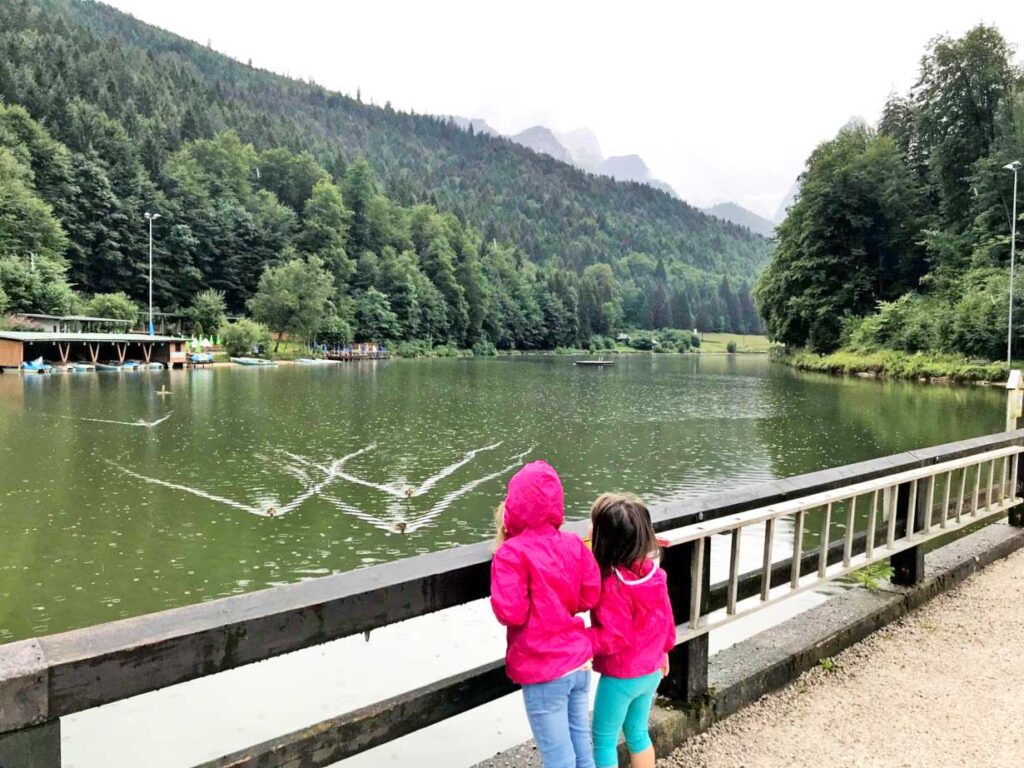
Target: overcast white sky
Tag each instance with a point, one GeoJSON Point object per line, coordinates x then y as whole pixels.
{"type": "Point", "coordinates": [724, 100]}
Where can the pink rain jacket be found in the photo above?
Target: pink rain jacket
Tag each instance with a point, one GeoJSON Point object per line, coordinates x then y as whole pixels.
{"type": "Point", "coordinates": [633, 627]}
{"type": "Point", "coordinates": [541, 578]}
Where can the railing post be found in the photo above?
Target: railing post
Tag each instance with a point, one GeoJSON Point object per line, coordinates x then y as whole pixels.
{"type": "Point", "coordinates": [37, 747]}
{"type": "Point", "coordinates": [1014, 410]}
{"type": "Point", "coordinates": [1014, 399]}
{"type": "Point", "coordinates": [688, 664]}
{"type": "Point", "coordinates": [908, 565]}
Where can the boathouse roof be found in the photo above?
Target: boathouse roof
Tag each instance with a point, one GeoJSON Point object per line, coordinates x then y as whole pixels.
{"type": "Point", "coordinates": [115, 338]}
{"type": "Point", "coordinates": [74, 318]}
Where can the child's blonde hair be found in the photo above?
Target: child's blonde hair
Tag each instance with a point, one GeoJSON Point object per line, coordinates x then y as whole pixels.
{"type": "Point", "coordinates": [500, 534]}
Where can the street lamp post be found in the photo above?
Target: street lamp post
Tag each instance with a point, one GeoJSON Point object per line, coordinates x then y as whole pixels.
{"type": "Point", "coordinates": [1014, 166]}
{"type": "Point", "coordinates": [151, 217]}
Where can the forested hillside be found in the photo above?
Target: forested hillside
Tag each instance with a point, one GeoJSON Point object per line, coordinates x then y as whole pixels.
{"type": "Point", "coordinates": [900, 237]}
{"type": "Point", "coordinates": [251, 170]}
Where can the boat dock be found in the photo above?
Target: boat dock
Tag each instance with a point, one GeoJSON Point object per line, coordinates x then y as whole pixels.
{"type": "Point", "coordinates": [67, 349]}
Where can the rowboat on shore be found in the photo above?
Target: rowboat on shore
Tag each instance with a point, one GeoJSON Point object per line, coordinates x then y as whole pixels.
{"type": "Point", "coordinates": [252, 361]}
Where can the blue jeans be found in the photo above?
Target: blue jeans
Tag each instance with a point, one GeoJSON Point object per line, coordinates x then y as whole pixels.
{"type": "Point", "coordinates": [622, 704]}
{"type": "Point", "coordinates": [557, 712]}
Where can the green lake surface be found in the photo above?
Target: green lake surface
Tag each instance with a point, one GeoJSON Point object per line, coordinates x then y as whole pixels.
{"type": "Point", "coordinates": [260, 477]}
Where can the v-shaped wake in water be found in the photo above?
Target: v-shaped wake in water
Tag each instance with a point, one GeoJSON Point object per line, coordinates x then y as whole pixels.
{"type": "Point", "coordinates": [302, 467]}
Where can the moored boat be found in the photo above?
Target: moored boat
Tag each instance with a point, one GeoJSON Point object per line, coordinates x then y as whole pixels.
{"type": "Point", "coordinates": [596, 363]}
{"type": "Point", "coordinates": [252, 361]}
{"type": "Point", "coordinates": [109, 367]}
{"type": "Point", "coordinates": [83, 367]}
{"type": "Point", "coordinates": [36, 366]}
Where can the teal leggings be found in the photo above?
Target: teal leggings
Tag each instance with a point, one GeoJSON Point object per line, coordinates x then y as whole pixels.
{"type": "Point", "coordinates": [622, 704]}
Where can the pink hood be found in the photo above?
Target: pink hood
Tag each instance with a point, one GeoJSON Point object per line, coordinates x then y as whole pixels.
{"type": "Point", "coordinates": [541, 578]}
{"type": "Point", "coordinates": [633, 627]}
{"type": "Point", "coordinates": [535, 499]}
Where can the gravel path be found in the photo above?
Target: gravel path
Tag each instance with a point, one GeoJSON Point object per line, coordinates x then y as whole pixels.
{"type": "Point", "coordinates": [942, 687]}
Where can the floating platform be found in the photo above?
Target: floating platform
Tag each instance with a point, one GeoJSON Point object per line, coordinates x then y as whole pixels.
{"type": "Point", "coordinates": [594, 363]}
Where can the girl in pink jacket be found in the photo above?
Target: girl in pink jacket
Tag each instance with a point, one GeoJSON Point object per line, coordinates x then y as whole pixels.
{"type": "Point", "coordinates": [541, 578]}
{"type": "Point", "coordinates": [632, 628]}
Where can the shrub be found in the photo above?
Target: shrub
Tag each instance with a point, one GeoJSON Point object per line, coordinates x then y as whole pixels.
{"type": "Point", "coordinates": [643, 340]}
{"type": "Point", "coordinates": [241, 336]}
{"type": "Point", "coordinates": [731, 347]}
{"type": "Point", "coordinates": [484, 349]}
{"type": "Point", "coordinates": [695, 341]}
{"type": "Point", "coordinates": [413, 348]}
{"type": "Point", "coordinates": [601, 342]}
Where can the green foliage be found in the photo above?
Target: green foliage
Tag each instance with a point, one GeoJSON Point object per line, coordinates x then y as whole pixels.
{"type": "Point", "coordinates": [730, 347]}
{"type": "Point", "coordinates": [3, 301]}
{"type": "Point", "coordinates": [643, 340]}
{"type": "Point", "coordinates": [827, 665]}
{"type": "Point", "coordinates": [39, 287]}
{"type": "Point", "coordinates": [208, 310]}
{"type": "Point", "coordinates": [374, 319]}
{"type": "Point", "coordinates": [116, 306]}
{"type": "Point", "coordinates": [293, 297]}
{"type": "Point", "coordinates": [484, 349]}
{"type": "Point", "coordinates": [336, 331]}
{"type": "Point", "coordinates": [900, 365]}
{"type": "Point", "coordinates": [413, 348]}
{"type": "Point", "coordinates": [900, 240]}
{"type": "Point", "coordinates": [872, 576]}
{"type": "Point", "coordinates": [849, 241]}
{"type": "Point", "coordinates": [242, 336]}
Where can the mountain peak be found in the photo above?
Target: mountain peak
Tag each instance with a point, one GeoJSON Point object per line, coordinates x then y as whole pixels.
{"type": "Point", "coordinates": [541, 139]}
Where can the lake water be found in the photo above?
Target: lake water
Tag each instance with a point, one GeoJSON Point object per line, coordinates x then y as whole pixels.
{"type": "Point", "coordinates": [244, 478]}
{"type": "Point", "coordinates": [258, 477]}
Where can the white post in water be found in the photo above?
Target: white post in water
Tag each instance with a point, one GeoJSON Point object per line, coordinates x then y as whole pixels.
{"type": "Point", "coordinates": [1014, 399]}
{"type": "Point", "coordinates": [151, 217]}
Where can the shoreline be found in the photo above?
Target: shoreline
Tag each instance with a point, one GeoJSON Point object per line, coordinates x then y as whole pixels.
{"type": "Point", "coordinates": [924, 368]}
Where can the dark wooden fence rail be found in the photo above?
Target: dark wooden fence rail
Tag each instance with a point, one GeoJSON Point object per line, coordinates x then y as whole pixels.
{"type": "Point", "coordinates": [44, 678]}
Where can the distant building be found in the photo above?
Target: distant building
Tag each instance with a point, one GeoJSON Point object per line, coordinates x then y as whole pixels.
{"type": "Point", "coordinates": [68, 323]}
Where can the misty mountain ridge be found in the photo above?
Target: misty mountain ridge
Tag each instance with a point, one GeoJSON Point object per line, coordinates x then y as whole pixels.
{"type": "Point", "coordinates": [579, 148]}
{"type": "Point", "coordinates": [737, 214]}
{"type": "Point", "coordinates": [541, 139]}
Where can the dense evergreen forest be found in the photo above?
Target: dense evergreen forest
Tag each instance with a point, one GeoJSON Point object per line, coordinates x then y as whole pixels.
{"type": "Point", "coordinates": [900, 237]}
{"type": "Point", "coordinates": [267, 185]}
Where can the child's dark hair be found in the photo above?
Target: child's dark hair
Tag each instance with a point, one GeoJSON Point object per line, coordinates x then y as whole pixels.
{"type": "Point", "coordinates": [623, 534]}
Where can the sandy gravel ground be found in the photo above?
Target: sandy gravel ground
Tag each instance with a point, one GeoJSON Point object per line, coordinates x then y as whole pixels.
{"type": "Point", "coordinates": [942, 687]}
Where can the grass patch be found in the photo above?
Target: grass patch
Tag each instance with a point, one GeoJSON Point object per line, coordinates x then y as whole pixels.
{"type": "Point", "coordinates": [746, 344]}
{"type": "Point", "coordinates": [899, 365]}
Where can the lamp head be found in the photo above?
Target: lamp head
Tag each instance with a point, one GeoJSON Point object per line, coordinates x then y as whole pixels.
{"type": "Point", "coordinates": [1015, 166]}
{"type": "Point", "coordinates": [152, 216]}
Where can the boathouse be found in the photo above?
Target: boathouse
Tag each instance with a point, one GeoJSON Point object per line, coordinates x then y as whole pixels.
{"type": "Point", "coordinates": [17, 347]}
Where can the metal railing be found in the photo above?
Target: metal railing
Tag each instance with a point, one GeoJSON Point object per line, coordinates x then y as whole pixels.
{"type": "Point", "coordinates": [45, 678]}
{"type": "Point", "coordinates": [881, 502]}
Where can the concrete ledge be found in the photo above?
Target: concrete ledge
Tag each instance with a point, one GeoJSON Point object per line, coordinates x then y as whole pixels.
{"type": "Point", "coordinates": [742, 674]}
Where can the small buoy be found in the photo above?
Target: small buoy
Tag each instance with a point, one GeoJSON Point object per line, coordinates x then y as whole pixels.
{"type": "Point", "coordinates": [401, 526]}
{"type": "Point", "coordinates": [271, 511]}
{"type": "Point", "coordinates": [408, 493]}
